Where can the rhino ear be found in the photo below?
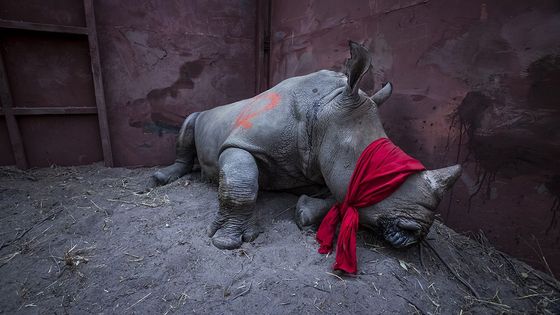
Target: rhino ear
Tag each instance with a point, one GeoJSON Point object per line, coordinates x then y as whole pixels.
{"type": "Point", "coordinates": [382, 95]}
{"type": "Point", "coordinates": [358, 64]}
{"type": "Point", "coordinates": [442, 179]}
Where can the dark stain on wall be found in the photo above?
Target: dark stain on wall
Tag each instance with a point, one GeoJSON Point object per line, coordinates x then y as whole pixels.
{"type": "Point", "coordinates": [544, 74]}
{"type": "Point", "coordinates": [157, 118]}
{"type": "Point", "coordinates": [162, 60]}
{"type": "Point", "coordinates": [553, 186]}
{"type": "Point", "coordinates": [515, 138]}
{"type": "Point", "coordinates": [544, 93]}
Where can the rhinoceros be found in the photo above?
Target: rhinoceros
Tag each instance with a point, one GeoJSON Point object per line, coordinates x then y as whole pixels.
{"type": "Point", "coordinates": [304, 134]}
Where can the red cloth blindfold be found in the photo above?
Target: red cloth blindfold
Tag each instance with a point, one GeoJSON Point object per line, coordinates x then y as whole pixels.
{"type": "Point", "coordinates": [379, 172]}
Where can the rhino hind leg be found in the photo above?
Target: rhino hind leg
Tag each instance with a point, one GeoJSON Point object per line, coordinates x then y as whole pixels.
{"type": "Point", "coordinates": [311, 211]}
{"type": "Point", "coordinates": [185, 154]}
{"type": "Point", "coordinates": [235, 222]}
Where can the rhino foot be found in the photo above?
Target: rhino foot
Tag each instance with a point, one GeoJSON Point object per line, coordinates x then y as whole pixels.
{"type": "Point", "coordinates": [235, 222]}
{"type": "Point", "coordinates": [230, 233]}
{"type": "Point", "coordinates": [170, 173]}
{"type": "Point", "coordinates": [310, 211]}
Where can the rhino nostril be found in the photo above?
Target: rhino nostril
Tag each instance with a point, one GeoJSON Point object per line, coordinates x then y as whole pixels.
{"type": "Point", "coordinates": [391, 235]}
{"type": "Point", "coordinates": [401, 240]}
{"type": "Point", "coordinates": [409, 225]}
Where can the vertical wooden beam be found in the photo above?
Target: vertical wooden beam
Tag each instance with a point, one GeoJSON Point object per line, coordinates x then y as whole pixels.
{"type": "Point", "coordinates": [98, 83]}
{"type": "Point", "coordinates": [262, 44]}
{"type": "Point", "coordinates": [11, 122]}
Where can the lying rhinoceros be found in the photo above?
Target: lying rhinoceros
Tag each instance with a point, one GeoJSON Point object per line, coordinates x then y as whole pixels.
{"type": "Point", "coordinates": [306, 132]}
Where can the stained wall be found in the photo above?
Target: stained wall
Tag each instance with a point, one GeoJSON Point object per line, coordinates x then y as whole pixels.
{"type": "Point", "coordinates": [161, 61]}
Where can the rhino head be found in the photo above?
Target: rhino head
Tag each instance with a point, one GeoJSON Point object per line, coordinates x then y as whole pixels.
{"type": "Point", "coordinates": [405, 217]}
{"type": "Point", "coordinates": [346, 124]}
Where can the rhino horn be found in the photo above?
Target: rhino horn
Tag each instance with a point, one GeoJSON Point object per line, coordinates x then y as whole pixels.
{"type": "Point", "coordinates": [356, 67]}
{"type": "Point", "coordinates": [442, 179]}
{"type": "Point", "coordinates": [382, 95]}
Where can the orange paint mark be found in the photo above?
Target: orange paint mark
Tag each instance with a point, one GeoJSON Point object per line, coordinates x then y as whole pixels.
{"type": "Point", "coordinates": [249, 112]}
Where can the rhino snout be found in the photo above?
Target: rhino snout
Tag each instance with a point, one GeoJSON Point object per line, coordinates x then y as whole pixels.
{"type": "Point", "coordinates": [403, 232]}
{"type": "Point", "coordinates": [401, 225]}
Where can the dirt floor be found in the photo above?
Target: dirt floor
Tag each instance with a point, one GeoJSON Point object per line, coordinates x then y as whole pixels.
{"type": "Point", "coordinates": [82, 240]}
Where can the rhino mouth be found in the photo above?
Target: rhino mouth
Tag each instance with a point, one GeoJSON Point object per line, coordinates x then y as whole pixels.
{"type": "Point", "coordinates": [399, 227]}
{"type": "Point", "coordinates": [403, 232]}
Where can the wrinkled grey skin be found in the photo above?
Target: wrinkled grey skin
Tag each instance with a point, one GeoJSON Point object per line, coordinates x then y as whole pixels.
{"type": "Point", "coordinates": [312, 138]}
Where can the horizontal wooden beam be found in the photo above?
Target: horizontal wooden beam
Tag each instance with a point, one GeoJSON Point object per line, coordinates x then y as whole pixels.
{"type": "Point", "coordinates": [20, 111]}
{"type": "Point", "coordinates": [39, 27]}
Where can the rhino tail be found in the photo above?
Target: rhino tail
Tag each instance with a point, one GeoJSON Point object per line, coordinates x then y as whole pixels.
{"type": "Point", "coordinates": [185, 147]}
{"type": "Point", "coordinates": [185, 151]}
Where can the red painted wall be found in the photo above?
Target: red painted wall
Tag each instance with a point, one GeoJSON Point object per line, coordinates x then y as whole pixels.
{"type": "Point", "coordinates": [475, 82]}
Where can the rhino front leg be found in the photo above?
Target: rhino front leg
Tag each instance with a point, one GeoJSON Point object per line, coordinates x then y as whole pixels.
{"type": "Point", "coordinates": [311, 211]}
{"type": "Point", "coordinates": [235, 222]}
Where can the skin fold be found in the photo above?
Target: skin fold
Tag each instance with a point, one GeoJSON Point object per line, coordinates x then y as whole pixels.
{"type": "Point", "coordinates": [304, 134]}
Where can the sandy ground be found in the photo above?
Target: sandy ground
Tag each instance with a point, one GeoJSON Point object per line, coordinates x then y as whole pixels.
{"type": "Point", "coordinates": [81, 240]}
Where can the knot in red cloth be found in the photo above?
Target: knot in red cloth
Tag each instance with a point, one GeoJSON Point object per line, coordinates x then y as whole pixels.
{"type": "Point", "coordinates": [380, 170]}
